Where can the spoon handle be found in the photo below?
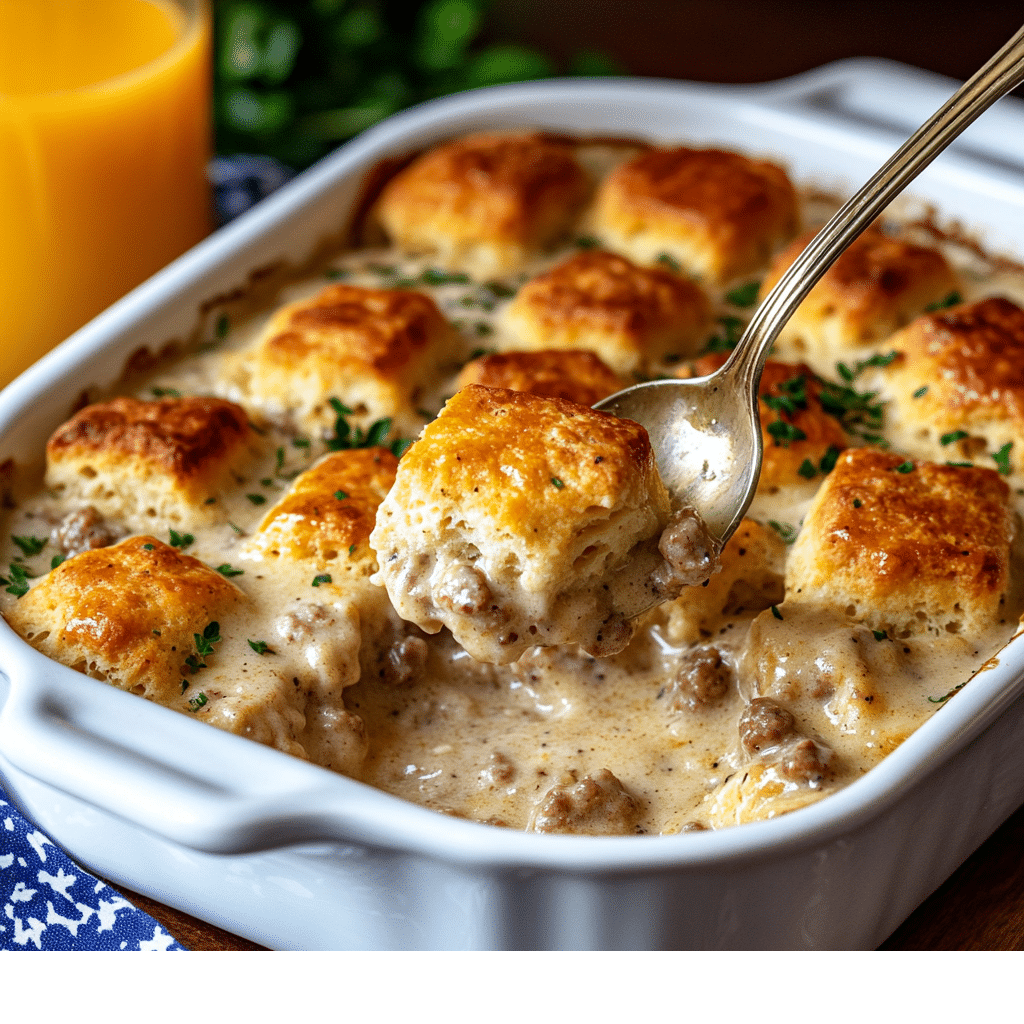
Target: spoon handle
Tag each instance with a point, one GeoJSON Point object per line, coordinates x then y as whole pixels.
{"type": "Point", "coordinates": [1004, 71]}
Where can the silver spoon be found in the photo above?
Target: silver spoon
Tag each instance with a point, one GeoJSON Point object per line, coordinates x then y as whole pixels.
{"type": "Point", "coordinates": [705, 431]}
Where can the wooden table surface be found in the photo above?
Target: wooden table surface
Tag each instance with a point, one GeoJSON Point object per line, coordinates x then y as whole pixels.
{"type": "Point", "coordinates": [981, 907]}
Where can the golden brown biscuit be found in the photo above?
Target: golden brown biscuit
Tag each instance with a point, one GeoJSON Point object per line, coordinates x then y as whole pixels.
{"type": "Point", "coordinates": [127, 614]}
{"type": "Point", "coordinates": [375, 350]}
{"type": "Point", "coordinates": [517, 520]}
{"type": "Point", "coordinates": [719, 214]}
{"type": "Point", "coordinates": [575, 376]}
{"type": "Point", "coordinates": [486, 203]}
{"type": "Point", "coordinates": [633, 317]}
{"type": "Point", "coordinates": [752, 578]}
{"type": "Point", "coordinates": [140, 463]}
{"type": "Point", "coordinates": [876, 287]}
{"type": "Point", "coordinates": [958, 383]}
{"type": "Point", "coordinates": [329, 511]}
{"type": "Point", "coordinates": [148, 619]}
{"type": "Point", "coordinates": [801, 439]}
{"type": "Point", "coordinates": [906, 546]}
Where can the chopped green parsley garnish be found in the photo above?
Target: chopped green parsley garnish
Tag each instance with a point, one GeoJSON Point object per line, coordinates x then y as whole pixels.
{"type": "Point", "coordinates": [227, 570]}
{"type": "Point", "coordinates": [345, 437]}
{"type": "Point", "coordinates": [943, 699]}
{"type": "Point", "coordinates": [1002, 458]}
{"type": "Point", "coordinates": [147, 547]}
{"type": "Point", "coordinates": [352, 549]}
{"type": "Point", "coordinates": [921, 391]}
{"type": "Point", "coordinates": [18, 583]}
{"type": "Point", "coordinates": [257, 499]}
{"type": "Point", "coordinates": [341, 495]}
{"type": "Point", "coordinates": [586, 242]}
{"type": "Point", "coordinates": [166, 392]}
{"type": "Point", "coordinates": [669, 261]}
{"type": "Point", "coordinates": [953, 435]}
{"type": "Point", "coordinates": [56, 560]}
{"type": "Point", "coordinates": [961, 465]}
{"type": "Point", "coordinates": [849, 374]}
{"type": "Point", "coordinates": [204, 647]}
{"type": "Point", "coordinates": [300, 442]}
{"type": "Point", "coordinates": [260, 646]}
{"type": "Point", "coordinates": [808, 469]}
{"type": "Point", "coordinates": [744, 296]}
{"type": "Point", "coordinates": [437, 277]}
{"type": "Point", "coordinates": [278, 460]}
{"type": "Point", "coordinates": [322, 578]}
{"type": "Point", "coordinates": [237, 529]}
{"type": "Point", "coordinates": [952, 299]}
{"type": "Point", "coordinates": [337, 274]}
{"type": "Point", "coordinates": [30, 545]}
{"type": "Point", "coordinates": [776, 613]}
{"type": "Point", "coordinates": [785, 530]}
{"type": "Point", "coordinates": [499, 289]}
{"type": "Point", "coordinates": [857, 503]}
{"type": "Point", "coordinates": [904, 467]}
{"type": "Point", "coordinates": [784, 433]}
{"type": "Point", "coordinates": [880, 634]}
{"type": "Point", "coordinates": [181, 540]}
{"type": "Point", "coordinates": [731, 330]}
{"type": "Point", "coordinates": [558, 483]}
{"type": "Point", "coordinates": [223, 326]}
{"type": "Point", "coordinates": [197, 702]}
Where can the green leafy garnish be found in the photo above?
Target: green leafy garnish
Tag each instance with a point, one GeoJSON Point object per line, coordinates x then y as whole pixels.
{"type": "Point", "coordinates": [57, 560]}
{"type": "Point", "coordinates": [197, 702]}
{"type": "Point", "coordinates": [181, 540]}
{"type": "Point", "coordinates": [1002, 458]}
{"type": "Point", "coordinates": [260, 646]}
{"type": "Point", "coordinates": [227, 570]}
{"type": "Point", "coordinates": [786, 531]}
{"type": "Point", "coordinates": [257, 499]}
{"type": "Point", "coordinates": [669, 261]}
{"type": "Point", "coordinates": [166, 392]}
{"type": "Point", "coordinates": [744, 296]}
{"type": "Point", "coordinates": [880, 634]}
{"type": "Point", "coordinates": [30, 545]}
{"type": "Point", "coordinates": [586, 242]}
{"type": "Point", "coordinates": [18, 583]}
{"type": "Point", "coordinates": [731, 330]}
{"type": "Point", "coordinates": [148, 547]}
{"type": "Point", "coordinates": [849, 374]}
{"type": "Point", "coordinates": [952, 299]}
{"type": "Point", "coordinates": [808, 469]}
{"type": "Point", "coordinates": [921, 391]}
{"type": "Point", "coordinates": [953, 435]}
{"type": "Point", "coordinates": [438, 277]}
{"type": "Point", "coordinates": [944, 698]}
{"type": "Point", "coordinates": [905, 467]}
{"type": "Point", "coordinates": [558, 483]}
{"type": "Point", "coordinates": [322, 578]}
{"type": "Point", "coordinates": [340, 495]}
{"type": "Point", "coordinates": [784, 433]}
{"type": "Point", "coordinates": [204, 647]}
{"type": "Point", "coordinates": [223, 326]}
{"type": "Point", "coordinates": [776, 613]}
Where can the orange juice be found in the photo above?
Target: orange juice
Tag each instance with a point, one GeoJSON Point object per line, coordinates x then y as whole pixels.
{"type": "Point", "coordinates": [104, 137]}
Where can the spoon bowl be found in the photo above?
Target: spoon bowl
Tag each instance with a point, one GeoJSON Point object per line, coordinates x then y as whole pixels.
{"type": "Point", "coordinates": [706, 431]}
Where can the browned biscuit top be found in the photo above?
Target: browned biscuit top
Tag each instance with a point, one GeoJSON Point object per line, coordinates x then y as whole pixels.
{"type": "Point", "coordinates": [128, 603]}
{"type": "Point", "coordinates": [894, 524]}
{"type": "Point", "coordinates": [182, 436]}
{"type": "Point", "coordinates": [872, 274]}
{"type": "Point", "coordinates": [724, 192]}
{"type": "Point", "coordinates": [971, 358]}
{"type": "Point", "coordinates": [491, 186]}
{"type": "Point", "coordinates": [382, 329]}
{"type": "Point", "coordinates": [606, 292]}
{"type": "Point", "coordinates": [330, 507]}
{"type": "Point", "coordinates": [535, 464]}
{"type": "Point", "coordinates": [570, 374]}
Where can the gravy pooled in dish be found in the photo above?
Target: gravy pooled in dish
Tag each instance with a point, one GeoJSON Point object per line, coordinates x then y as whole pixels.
{"type": "Point", "coordinates": [245, 535]}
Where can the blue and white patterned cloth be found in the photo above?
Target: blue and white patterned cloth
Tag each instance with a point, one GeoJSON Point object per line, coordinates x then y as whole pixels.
{"type": "Point", "coordinates": [50, 903]}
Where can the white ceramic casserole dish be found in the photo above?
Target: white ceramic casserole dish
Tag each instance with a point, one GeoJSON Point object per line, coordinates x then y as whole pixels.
{"type": "Point", "coordinates": [294, 857]}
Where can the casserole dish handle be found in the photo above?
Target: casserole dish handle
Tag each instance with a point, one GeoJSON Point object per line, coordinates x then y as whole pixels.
{"type": "Point", "coordinates": [187, 782]}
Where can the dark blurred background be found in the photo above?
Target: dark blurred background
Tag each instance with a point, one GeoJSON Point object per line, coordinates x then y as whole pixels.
{"type": "Point", "coordinates": [295, 78]}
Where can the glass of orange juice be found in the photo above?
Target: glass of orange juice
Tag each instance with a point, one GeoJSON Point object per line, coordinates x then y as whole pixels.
{"type": "Point", "coordinates": [105, 133]}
